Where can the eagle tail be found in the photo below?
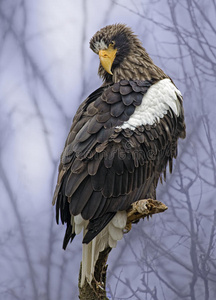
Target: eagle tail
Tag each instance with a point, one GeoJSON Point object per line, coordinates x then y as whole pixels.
{"type": "Point", "coordinates": [97, 225]}
{"type": "Point", "coordinates": [108, 237]}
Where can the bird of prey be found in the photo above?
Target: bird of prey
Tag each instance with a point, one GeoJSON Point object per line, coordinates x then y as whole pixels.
{"type": "Point", "coordinates": [120, 142]}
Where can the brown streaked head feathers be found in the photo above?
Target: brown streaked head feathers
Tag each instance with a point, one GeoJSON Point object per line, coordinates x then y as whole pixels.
{"type": "Point", "coordinates": [131, 61]}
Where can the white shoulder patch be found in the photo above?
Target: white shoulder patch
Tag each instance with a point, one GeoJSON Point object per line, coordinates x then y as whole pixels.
{"type": "Point", "coordinates": [159, 98]}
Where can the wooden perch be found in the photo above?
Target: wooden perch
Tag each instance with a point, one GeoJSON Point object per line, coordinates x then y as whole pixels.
{"type": "Point", "coordinates": [138, 210]}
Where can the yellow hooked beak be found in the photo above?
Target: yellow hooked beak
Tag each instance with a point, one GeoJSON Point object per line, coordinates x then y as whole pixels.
{"type": "Point", "coordinates": [107, 58]}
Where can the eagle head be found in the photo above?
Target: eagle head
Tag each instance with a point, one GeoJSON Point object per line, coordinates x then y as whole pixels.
{"type": "Point", "coordinates": [114, 44]}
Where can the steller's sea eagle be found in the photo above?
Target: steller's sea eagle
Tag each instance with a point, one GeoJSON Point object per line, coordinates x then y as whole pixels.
{"type": "Point", "coordinates": [121, 140]}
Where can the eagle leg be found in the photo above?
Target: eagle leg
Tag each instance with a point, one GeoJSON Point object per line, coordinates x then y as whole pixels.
{"type": "Point", "coordinates": [141, 209]}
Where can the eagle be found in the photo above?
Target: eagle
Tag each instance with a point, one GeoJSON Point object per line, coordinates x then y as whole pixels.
{"type": "Point", "coordinates": [121, 140]}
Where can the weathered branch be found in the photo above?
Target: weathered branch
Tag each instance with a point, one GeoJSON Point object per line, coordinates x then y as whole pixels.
{"type": "Point", "coordinates": [138, 210]}
{"type": "Point", "coordinates": [97, 290]}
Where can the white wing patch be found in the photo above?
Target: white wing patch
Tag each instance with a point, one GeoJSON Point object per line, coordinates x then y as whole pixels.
{"type": "Point", "coordinates": [159, 98]}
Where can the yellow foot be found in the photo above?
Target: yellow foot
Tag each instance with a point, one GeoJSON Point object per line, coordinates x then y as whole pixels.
{"type": "Point", "coordinates": [141, 209]}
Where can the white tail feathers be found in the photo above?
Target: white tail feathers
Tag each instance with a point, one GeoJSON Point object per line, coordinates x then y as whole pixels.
{"type": "Point", "coordinates": [108, 237]}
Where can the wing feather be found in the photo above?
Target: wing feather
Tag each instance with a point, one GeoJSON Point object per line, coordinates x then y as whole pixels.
{"type": "Point", "coordinates": [92, 207]}
{"type": "Point", "coordinates": [74, 181]}
{"type": "Point", "coordinates": [108, 189]}
{"type": "Point", "coordinates": [81, 197]}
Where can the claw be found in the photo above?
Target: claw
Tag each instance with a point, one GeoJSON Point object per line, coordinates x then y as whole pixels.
{"type": "Point", "coordinates": [141, 209]}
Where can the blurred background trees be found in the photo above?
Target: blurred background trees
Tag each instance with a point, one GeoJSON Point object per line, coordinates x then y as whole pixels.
{"type": "Point", "coordinates": [46, 70]}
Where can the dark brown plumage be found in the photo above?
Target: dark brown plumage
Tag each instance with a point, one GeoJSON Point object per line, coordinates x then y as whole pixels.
{"type": "Point", "coordinates": [109, 163]}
